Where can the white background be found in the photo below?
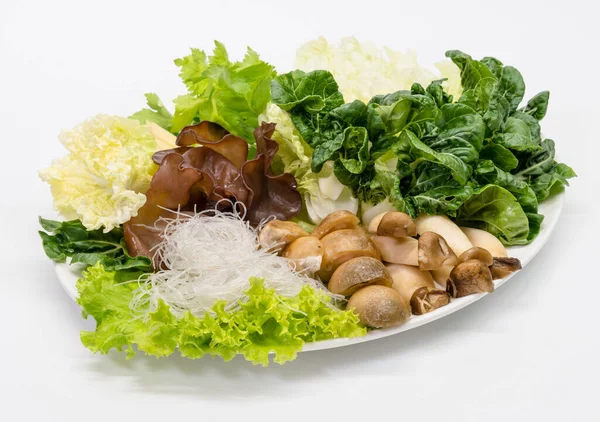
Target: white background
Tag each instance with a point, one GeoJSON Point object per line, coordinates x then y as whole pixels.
{"type": "Point", "coordinates": [530, 351]}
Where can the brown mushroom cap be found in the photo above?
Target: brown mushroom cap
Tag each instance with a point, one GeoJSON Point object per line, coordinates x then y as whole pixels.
{"type": "Point", "coordinates": [502, 267]}
{"type": "Point", "coordinates": [396, 224]}
{"type": "Point", "coordinates": [379, 306]}
{"type": "Point", "coordinates": [357, 273]}
{"type": "Point", "coordinates": [337, 220]}
{"type": "Point", "coordinates": [434, 252]}
{"type": "Point", "coordinates": [343, 245]}
{"type": "Point", "coordinates": [426, 299]}
{"type": "Point", "coordinates": [306, 253]}
{"type": "Point", "coordinates": [277, 234]}
{"type": "Point", "coordinates": [477, 253]}
{"type": "Point", "coordinates": [469, 277]}
{"type": "Point", "coordinates": [374, 223]}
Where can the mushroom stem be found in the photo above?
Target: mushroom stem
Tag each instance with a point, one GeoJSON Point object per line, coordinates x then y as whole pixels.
{"type": "Point", "coordinates": [417, 288]}
{"type": "Point", "coordinates": [403, 250]}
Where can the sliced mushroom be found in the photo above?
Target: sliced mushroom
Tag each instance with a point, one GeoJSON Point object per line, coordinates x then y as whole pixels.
{"type": "Point", "coordinates": [306, 253]}
{"type": "Point", "coordinates": [396, 224]}
{"type": "Point", "coordinates": [379, 306]}
{"type": "Point", "coordinates": [403, 250]}
{"type": "Point", "coordinates": [442, 274]}
{"type": "Point", "coordinates": [477, 253]}
{"type": "Point", "coordinates": [343, 245]}
{"type": "Point", "coordinates": [337, 220]}
{"type": "Point", "coordinates": [485, 240]}
{"type": "Point", "coordinates": [357, 273]}
{"type": "Point", "coordinates": [374, 223]}
{"type": "Point", "coordinates": [277, 234]}
{"type": "Point", "coordinates": [417, 288]}
{"type": "Point", "coordinates": [470, 277]}
{"type": "Point", "coordinates": [434, 252]}
{"type": "Point", "coordinates": [502, 267]}
{"type": "Point", "coordinates": [442, 225]}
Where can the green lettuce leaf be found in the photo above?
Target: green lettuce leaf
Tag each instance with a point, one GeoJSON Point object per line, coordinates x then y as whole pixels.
{"type": "Point", "coordinates": [265, 323]}
{"type": "Point", "coordinates": [156, 112]}
{"type": "Point", "coordinates": [232, 94]}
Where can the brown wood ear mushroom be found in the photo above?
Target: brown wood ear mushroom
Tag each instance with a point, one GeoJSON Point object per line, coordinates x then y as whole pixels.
{"type": "Point", "coordinates": [502, 267]}
{"type": "Point", "coordinates": [396, 224]}
{"type": "Point", "coordinates": [337, 220]}
{"type": "Point", "coordinates": [357, 273]}
{"type": "Point", "coordinates": [470, 277]}
{"type": "Point", "coordinates": [277, 234]}
{"type": "Point", "coordinates": [379, 306]}
{"type": "Point", "coordinates": [477, 253]}
{"type": "Point", "coordinates": [434, 252]}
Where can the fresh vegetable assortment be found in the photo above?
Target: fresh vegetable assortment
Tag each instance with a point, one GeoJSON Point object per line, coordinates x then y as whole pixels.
{"type": "Point", "coordinates": [270, 210]}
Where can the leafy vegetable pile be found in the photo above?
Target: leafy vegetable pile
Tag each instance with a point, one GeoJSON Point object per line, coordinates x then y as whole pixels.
{"type": "Point", "coordinates": [480, 160]}
{"type": "Point", "coordinates": [266, 323]}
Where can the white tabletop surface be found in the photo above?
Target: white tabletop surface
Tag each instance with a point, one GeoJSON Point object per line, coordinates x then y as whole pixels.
{"type": "Point", "coordinates": [530, 351]}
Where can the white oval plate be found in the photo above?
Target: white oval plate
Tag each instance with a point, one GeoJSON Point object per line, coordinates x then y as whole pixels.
{"type": "Point", "coordinates": [551, 209]}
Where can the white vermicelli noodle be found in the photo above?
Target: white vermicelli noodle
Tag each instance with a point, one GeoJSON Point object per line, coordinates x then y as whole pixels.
{"type": "Point", "coordinates": [211, 256]}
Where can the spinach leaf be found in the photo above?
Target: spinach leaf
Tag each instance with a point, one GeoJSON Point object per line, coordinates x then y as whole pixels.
{"type": "Point", "coordinates": [517, 136]}
{"type": "Point", "coordinates": [538, 105]}
{"type": "Point", "coordinates": [536, 163]}
{"type": "Point", "coordinates": [472, 71]}
{"type": "Point", "coordinates": [552, 182]}
{"type": "Point", "coordinates": [494, 65]}
{"type": "Point", "coordinates": [495, 210]}
{"type": "Point", "coordinates": [501, 156]}
{"type": "Point", "coordinates": [62, 240]}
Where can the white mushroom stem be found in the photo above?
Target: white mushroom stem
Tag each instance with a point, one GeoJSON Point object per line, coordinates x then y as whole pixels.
{"type": "Point", "coordinates": [442, 225]}
{"type": "Point", "coordinates": [442, 274]}
{"type": "Point", "coordinates": [485, 240]}
{"type": "Point", "coordinates": [407, 279]}
{"type": "Point", "coordinates": [396, 250]}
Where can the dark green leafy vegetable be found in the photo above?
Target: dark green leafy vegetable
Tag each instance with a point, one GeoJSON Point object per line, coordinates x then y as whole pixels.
{"type": "Point", "coordinates": [480, 159]}
{"type": "Point", "coordinates": [70, 239]}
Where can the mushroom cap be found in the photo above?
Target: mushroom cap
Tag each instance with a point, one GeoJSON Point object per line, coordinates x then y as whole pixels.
{"type": "Point", "coordinates": [426, 299]}
{"type": "Point", "coordinates": [374, 223]}
{"type": "Point", "coordinates": [343, 245]}
{"type": "Point", "coordinates": [434, 252]}
{"type": "Point", "coordinates": [502, 267]}
{"type": "Point", "coordinates": [379, 306]}
{"type": "Point", "coordinates": [337, 220]}
{"type": "Point", "coordinates": [469, 277]}
{"type": "Point", "coordinates": [442, 225]}
{"type": "Point", "coordinates": [277, 234]}
{"type": "Point", "coordinates": [396, 224]}
{"type": "Point", "coordinates": [477, 253]}
{"type": "Point", "coordinates": [357, 273]}
{"type": "Point", "coordinates": [306, 253]}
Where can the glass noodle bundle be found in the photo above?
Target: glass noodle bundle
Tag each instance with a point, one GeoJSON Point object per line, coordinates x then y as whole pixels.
{"type": "Point", "coordinates": [210, 256]}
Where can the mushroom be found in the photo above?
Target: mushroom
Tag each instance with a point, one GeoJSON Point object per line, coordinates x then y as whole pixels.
{"type": "Point", "coordinates": [469, 277]}
{"type": "Point", "coordinates": [359, 272]}
{"type": "Point", "coordinates": [337, 220]}
{"type": "Point", "coordinates": [374, 223]}
{"type": "Point", "coordinates": [442, 225]}
{"type": "Point", "coordinates": [477, 253]}
{"type": "Point", "coordinates": [396, 224]}
{"type": "Point", "coordinates": [485, 240]}
{"type": "Point", "coordinates": [416, 287]}
{"type": "Point", "coordinates": [502, 267]}
{"type": "Point", "coordinates": [379, 306]}
{"type": "Point", "coordinates": [396, 250]}
{"type": "Point", "coordinates": [277, 234]}
{"type": "Point", "coordinates": [434, 252]}
{"type": "Point", "coordinates": [368, 212]}
{"type": "Point", "coordinates": [343, 245]}
{"type": "Point", "coordinates": [442, 274]}
{"type": "Point", "coordinates": [306, 253]}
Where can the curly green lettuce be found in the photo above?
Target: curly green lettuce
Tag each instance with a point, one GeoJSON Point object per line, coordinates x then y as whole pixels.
{"type": "Point", "coordinates": [103, 178]}
{"type": "Point", "coordinates": [266, 323]}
